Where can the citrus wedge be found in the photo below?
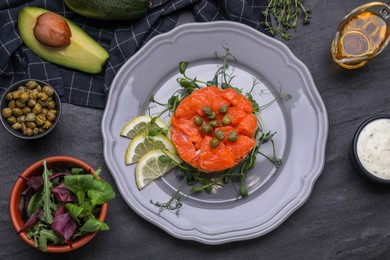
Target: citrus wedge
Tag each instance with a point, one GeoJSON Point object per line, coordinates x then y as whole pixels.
{"type": "Point", "coordinates": [141, 144]}
{"type": "Point", "coordinates": [141, 125]}
{"type": "Point", "coordinates": [153, 165]}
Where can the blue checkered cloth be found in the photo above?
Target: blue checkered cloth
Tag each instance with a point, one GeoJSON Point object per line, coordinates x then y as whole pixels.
{"type": "Point", "coordinates": [120, 38]}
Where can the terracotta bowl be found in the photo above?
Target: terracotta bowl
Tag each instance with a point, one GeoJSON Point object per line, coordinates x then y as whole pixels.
{"type": "Point", "coordinates": [20, 185]}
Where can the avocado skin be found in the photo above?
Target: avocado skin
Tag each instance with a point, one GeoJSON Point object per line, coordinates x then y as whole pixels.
{"type": "Point", "coordinates": [83, 53]}
{"type": "Point", "coordinates": [109, 9]}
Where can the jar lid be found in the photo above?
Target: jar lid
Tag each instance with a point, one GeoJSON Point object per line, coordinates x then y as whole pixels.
{"type": "Point", "coordinates": [371, 149]}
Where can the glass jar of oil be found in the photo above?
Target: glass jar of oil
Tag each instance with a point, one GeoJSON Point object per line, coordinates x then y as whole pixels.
{"type": "Point", "coordinates": [361, 35]}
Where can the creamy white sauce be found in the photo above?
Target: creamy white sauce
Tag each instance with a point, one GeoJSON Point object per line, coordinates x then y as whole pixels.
{"type": "Point", "coordinates": [373, 148]}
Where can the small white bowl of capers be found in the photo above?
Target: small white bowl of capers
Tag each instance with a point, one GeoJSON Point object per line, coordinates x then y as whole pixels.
{"type": "Point", "coordinates": [30, 109]}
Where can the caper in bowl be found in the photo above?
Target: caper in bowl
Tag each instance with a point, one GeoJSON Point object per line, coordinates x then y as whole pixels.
{"type": "Point", "coordinates": [30, 109]}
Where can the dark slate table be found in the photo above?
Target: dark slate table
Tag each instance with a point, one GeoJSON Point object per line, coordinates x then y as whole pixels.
{"type": "Point", "coordinates": [344, 218]}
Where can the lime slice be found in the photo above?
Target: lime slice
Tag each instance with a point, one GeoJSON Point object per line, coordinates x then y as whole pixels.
{"type": "Point", "coordinates": [152, 166]}
{"type": "Point", "coordinates": [141, 144]}
{"type": "Point", "coordinates": [141, 125]}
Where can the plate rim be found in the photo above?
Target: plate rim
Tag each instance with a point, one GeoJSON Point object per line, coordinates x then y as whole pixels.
{"type": "Point", "coordinates": [302, 196]}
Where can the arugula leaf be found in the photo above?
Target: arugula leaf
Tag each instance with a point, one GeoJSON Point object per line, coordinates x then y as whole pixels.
{"type": "Point", "coordinates": [34, 204]}
{"type": "Point", "coordinates": [45, 236]}
{"type": "Point", "coordinates": [48, 204]}
{"type": "Point", "coordinates": [94, 225]}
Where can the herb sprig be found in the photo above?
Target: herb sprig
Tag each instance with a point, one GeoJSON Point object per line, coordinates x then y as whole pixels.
{"type": "Point", "coordinates": [285, 14]}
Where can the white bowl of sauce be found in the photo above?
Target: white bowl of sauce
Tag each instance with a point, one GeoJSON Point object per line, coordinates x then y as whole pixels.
{"type": "Point", "coordinates": [371, 149]}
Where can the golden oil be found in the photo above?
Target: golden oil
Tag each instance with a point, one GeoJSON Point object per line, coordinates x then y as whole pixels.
{"type": "Point", "coordinates": [360, 37]}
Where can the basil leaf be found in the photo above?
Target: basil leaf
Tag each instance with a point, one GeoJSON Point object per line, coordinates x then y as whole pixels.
{"type": "Point", "coordinates": [100, 192]}
{"type": "Point", "coordinates": [74, 211]}
{"type": "Point", "coordinates": [94, 225]}
{"type": "Point", "coordinates": [79, 184]}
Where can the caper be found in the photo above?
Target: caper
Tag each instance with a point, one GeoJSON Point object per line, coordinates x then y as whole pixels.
{"type": "Point", "coordinates": [232, 136]}
{"type": "Point", "coordinates": [22, 88]}
{"type": "Point", "coordinates": [47, 90]}
{"type": "Point", "coordinates": [37, 108]}
{"type": "Point", "coordinates": [211, 116]}
{"type": "Point", "coordinates": [51, 115]}
{"type": "Point", "coordinates": [207, 110]}
{"type": "Point", "coordinates": [214, 123]}
{"type": "Point", "coordinates": [44, 111]}
{"type": "Point", "coordinates": [9, 96]}
{"type": "Point", "coordinates": [17, 111]}
{"type": "Point", "coordinates": [219, 134]}
{"type": "Point", "coordinates": [23, 128]}
{"type": "Point", "coordinates": [20, 104]}
{"type": "Point", "coordinates": [226, 120]}
{"type": "Point", "coordinates": [206, 128]}
{"type": "Point", "coordinates": [198, 120]}
{"type": "Point", "coordinates": [47, 125]}
{"type": "Point", "coordinates": [43, 103]}
{"type": "Point", "coordinates": [21, 119]}
{"type": "Point", "coordinates": [11, 120]}
{"type": "Point", "coordinates": [17, 93]}
{"type": "Point", "coordinates": [35, 131]}
{"type": "Point", "coordinates": [51, 104]}
{"type": "Point", "coordinates": [6, 112]}
{"type": "Point", "coordinates": [30, 117]}
{"type": "Point", "coordinates": [34, 94]}
{"type": "Point", "coordinates": [26, 110]}
{"type": "Point", "coordinates": [43, 96]}
{"type": "Point", "coordinates": [31, 102]}
{"type": "Point", "coordinates": [40, 119]}
{"type": "Point", "coordinates": [31, 125]}
{"type": "Point", "coordinates": [17, 126]}
{"type": "Point", "coordinates": [39, 88]}
{"type": "Point", "coordinates": [41, 130]}
{"type": "Point", "coordinates": [24, 97]}
{"type": "Point", "coordinates": [214, 143]}
{"type": "Point", "coordinates": [31, 84]}
{"type": "Point", "coordinates": [11, 104]}
{"type": "Point", "coordinates": [28, 131]}
{"type": "Point", "coordinates": [223, 109]}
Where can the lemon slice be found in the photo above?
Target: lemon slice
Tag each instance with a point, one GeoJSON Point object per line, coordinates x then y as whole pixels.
{"type": "Point", "coordinates": [141, 125]}
{"type": "Point", "coordinates": [141, 144]}
{"type": "Point", "coordinates": [151, 166]}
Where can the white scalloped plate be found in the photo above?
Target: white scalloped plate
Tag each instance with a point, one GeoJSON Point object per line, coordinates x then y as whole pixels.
{"type": "Point", "coordinates": [300, 122]}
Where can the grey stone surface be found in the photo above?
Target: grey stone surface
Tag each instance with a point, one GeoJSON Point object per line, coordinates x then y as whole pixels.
{"type": "Point", "coordinates": [344, 218]}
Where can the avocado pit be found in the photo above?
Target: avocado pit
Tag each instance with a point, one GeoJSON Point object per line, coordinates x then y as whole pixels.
{"type": "Point", "coordinates": [52, 30]}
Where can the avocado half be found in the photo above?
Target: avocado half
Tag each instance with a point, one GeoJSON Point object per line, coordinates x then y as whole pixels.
{"type": "Point", "coordinates": [83, 53]}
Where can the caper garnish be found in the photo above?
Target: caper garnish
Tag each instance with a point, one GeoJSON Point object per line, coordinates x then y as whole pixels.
{"type": "Point", "coordinates": [6, 112]}
{"type": "Point", "coordinates": [206, 128]}
{"type": "Point", "coordinates": [219, 134]}
{"type": "Point", "coordinates": [214, 123]}
{"type": "Point", "coordinates": [17, 126]}
{"type": "Point", "coordinates": [31, 125]}
{"type": "Point", "coordinates": [198, 120]}
{"type": "Point", "coordinates": [51, 104]}
{"type": "Point", "coordinates": [24, 97]}
{"type": "Point", "coordinates": [30, 117]}
{"type": "Point", "coordinates": [37, 108]}
{"type": "Point", "coordinates": [47, 90]}
{"type": "Point", "coordinates": [26, 110]}
{"type": "Point", "coordinates": [207, 110]}
{"type": "Point", "coordinates": [214, 143]}
{"type": "Point", "coordinates": [43, 96]}
{"type": "Point", "coordinates": [11, 104]}
{"type": "Point", "coordinates": [28, 131]}
{"type": "Point", "coordinates": [31, 84]}
{"type": "Point", "coordinates": [223, 109]}
{"type": "Point", "coordinates": [232, 136]}
{"type": "Point", "coordinates": [9, 96]}
{"type": "Point", "coordinates": [35, 131]}
{"type": "Point", "coordinates": [47, 125]}
{"type": "Point", "coordinates": [31, 102]}
{"type": "Point", "coordinates": [211, 116]}
{"type": "Point", "coordinates": [44, 111]}
{"type": "Point", "coordinates": [226, 120]}
{"type": "Point", "coordinates": [11, 120]}
{"type": "Point", "coordinates": [51, 115]}
{"type": "Point", "coordinates": [40, 119]}
{"type": "Point", "coordinates": [34, 94]}
{"type": "Point", "coordinates": [20, 104]}
{"type": "Point", "coordinates": [21, 119]}
{"type": "Point", "coordinates": [17, 111]}
{"type": "Point", "coordinates": [17, 94]}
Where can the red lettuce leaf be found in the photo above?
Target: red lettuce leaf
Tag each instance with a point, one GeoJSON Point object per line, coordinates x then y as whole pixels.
{"type": "Point", "coordinates": [62, 193]}
{"type": "Point", "coordinates": [63, 224]}
{"type": "Point", "coordinates": [32, 220]}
